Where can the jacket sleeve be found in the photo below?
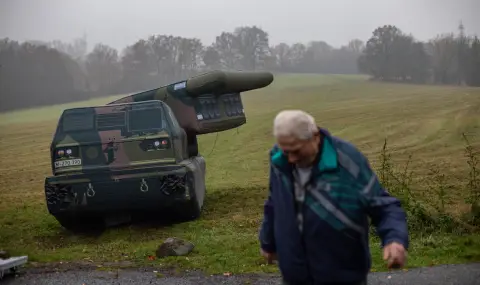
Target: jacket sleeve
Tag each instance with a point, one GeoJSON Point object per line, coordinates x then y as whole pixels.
{"type": "Point", "coordinates": [385, 210]}
{"type": "Point", "coordinates": [267, 240]}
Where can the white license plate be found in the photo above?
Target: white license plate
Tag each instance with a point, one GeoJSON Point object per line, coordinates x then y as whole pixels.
{"type": "Point", "coordinates": [68, 162]}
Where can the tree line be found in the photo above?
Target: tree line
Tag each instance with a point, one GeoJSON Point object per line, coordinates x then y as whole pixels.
{"type": "Point", "coordinates": [37, 73]}
{"type": "Point", "coordinates": [392, 55]}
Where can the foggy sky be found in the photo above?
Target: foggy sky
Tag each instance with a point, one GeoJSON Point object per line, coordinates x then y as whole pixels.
{"type": "Point", "coordinates": [119, 23]}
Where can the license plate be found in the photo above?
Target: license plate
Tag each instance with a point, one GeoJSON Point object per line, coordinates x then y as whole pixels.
{"type": "Point", "coordinates": [68, 162]}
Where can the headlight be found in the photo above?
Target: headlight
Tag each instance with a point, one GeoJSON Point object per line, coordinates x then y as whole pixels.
{"type": "Point", "coordinates": [155, 144]}
{"type": "Point", "coordinates": [65, 152]}
{"type": "Point", "coordinates": [163, 143]}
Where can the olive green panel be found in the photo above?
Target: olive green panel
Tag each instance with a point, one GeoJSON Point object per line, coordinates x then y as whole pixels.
{"type": "Point", "coordinates": [221, 82]}
{"type": "Point", "coordinates": [100, 138]}
{"type": "Point", "coordinates": [206, 103]}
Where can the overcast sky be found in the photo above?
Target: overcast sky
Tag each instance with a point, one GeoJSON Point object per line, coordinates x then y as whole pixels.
{"type": "Point", "coordinates": [121, 22]}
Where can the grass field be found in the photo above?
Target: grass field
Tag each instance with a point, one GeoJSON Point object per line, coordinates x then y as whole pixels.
{"type": "Point", "coordinates": [426, 122]}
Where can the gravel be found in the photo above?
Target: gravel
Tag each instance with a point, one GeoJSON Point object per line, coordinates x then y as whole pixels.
{"type": "Point", "coordinates": [463, 274]}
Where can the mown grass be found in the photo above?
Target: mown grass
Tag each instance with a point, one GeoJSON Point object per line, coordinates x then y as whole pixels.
{"type": "Point", "coordinates": [53, 112]}
{"type": "Point", "coordinates": [424, 127]}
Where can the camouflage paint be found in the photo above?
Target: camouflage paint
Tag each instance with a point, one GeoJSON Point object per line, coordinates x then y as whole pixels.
{"type": "Point", "coordinates": [207, 103]}
{"type": "Point", "coordinates": [120, 170]}
{"type": "Point", "coordinates": [108, 145]}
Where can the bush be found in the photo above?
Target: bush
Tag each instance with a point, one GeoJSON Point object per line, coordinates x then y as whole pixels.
{"type": "Point", "coordinates": [430, 215]}
{"type": "Point", "coordinates": [473, 184]}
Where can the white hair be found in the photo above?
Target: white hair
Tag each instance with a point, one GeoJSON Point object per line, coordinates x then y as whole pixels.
{"type": "Point", "coordinates": [294, 123]}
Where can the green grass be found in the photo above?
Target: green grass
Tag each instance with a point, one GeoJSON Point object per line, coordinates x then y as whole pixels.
{"type": "Point", "coordinates": [48, 112]}
{"type": "Point", "coordinates": [426, 122]}
{"type": "Point", "coordinates": [53, 112]}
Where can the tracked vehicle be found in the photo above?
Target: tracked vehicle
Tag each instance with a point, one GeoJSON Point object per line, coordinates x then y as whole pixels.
{"type": "Point", "coordinates": [140, 153]}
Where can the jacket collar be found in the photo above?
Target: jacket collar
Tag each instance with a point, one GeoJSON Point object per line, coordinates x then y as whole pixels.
{"type": "Point", "coordinates": [326, 159]}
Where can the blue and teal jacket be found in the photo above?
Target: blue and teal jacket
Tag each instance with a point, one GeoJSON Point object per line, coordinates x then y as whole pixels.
{"type": "Point", "coordinates": [343, 192]}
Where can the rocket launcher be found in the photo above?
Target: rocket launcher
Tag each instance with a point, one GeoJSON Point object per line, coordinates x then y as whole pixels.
{"type": "Point", "coordinates": [206, 103]}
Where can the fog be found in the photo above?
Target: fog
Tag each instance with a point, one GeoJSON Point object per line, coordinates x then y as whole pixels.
{"type": "Point", "coordinates": [77, 50]}
{"type": "Point", "coordinates": [119, 23]}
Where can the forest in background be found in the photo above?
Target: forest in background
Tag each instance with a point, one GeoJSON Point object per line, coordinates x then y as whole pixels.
{"type": "Point", "coordinates": [35, 73]}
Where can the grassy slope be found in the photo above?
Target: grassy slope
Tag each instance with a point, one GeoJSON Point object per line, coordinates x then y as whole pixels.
{"type": "Point", "coordinates": [424, 121]}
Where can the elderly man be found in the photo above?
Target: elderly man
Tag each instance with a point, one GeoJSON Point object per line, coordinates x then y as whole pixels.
{"type": "Point", "coordinates": [322, 191]}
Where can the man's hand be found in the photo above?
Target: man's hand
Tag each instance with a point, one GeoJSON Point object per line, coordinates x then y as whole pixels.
{"type": "Point", "coordinates": [270, 257]}
{"type": "Point", "coordinates": [396, 255]}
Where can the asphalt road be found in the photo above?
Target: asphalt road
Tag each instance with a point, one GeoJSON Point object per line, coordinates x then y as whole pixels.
{"type": "Point", "coordinates": [439, 275]}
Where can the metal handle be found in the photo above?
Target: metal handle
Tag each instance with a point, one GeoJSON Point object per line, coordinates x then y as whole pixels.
{"type": "Point", "coordinates": [143, 185]}
{"type": "Point", "coordinates": [90, 191]}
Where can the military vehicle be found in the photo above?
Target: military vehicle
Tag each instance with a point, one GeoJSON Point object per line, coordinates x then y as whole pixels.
{"type": "Point", "coordinates": [140, 153]}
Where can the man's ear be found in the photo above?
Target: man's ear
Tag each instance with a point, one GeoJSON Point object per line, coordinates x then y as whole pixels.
{"type": "Point", "coordinates": [316, 136]}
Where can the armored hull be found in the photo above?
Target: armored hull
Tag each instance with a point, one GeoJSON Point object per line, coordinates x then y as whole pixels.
{"type": "Point", "coordinates": [78, 200]}
{"type": "Point", "coordinates": [140, 154]}
{"type": "Point", "coordinates": [109, 162]}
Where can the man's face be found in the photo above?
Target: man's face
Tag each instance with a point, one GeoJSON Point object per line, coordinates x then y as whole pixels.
{"type": "Point", "coordinates": [299, 152]}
